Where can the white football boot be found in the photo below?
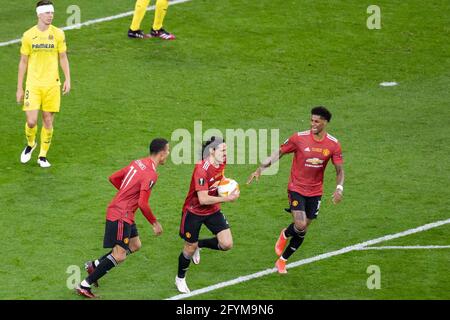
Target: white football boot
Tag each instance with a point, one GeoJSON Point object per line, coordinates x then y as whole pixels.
{"type": "Point", "coordinates": [26, 153]}
{"type": "Point", "coordinates": [196, 256]}
{"type": "Point", "coordinates": [43, 162]}
{"type": "Point", "coordinates": [181, 285]}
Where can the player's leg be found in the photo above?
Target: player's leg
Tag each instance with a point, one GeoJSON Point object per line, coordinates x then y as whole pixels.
{"type": "Point", "coordinates": [31, 106]}
{"type": "Point", "coordinates": [30, 133]}
{"type": "Point", "coordinates": [160, 13]}
{"type": "Point", "coordinates": [189, 231]}
{"type": "Point", "coordinates": [117, 235]}
{"type": "Point", "coordinates": [134, 245]}
{"type": "Point", "coordinates": [46, 138]}
{"type": "Point", "coordinates": [297, 230]}
{"type": "Point", "coordinates": [51, 101]}
{"type": "Point", "coordinates": [139, 12]}
{"type": "Point", "coordinates": [135, 242]}
{"type": "Point", "coordinates": [218, 225]}
{"type": "Point", "coordinates": [296, 203]}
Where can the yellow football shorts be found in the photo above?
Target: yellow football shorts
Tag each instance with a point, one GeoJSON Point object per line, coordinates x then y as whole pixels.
{"type": "Point", "coordinates": [46, 98]}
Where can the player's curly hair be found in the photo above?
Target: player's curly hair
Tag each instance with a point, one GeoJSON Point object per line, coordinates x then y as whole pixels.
{"type": "Point", "coordinates": [44, 3]}
{"type": "Point", "coordinates": [212, 143]}
{"type": "Point", "coordinates": [322, 112]}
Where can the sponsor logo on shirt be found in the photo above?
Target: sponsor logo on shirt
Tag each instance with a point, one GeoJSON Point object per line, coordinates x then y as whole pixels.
{"type": "Point", "coordinates": [314, 162]}
{"type": "Point", "coordinates": [43, 46]}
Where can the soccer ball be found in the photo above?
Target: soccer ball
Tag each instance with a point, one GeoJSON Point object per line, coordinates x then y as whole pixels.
{"type": "Point", "coordinates": [226, 186]}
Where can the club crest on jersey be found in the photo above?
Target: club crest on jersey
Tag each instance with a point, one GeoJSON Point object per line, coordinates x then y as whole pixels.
{"type": "Point", "coordinates": [50, 37]}
{"type": "Point", "coordinates": [201, 181]}
{"type": "Point", "coordinates": [326, 152]}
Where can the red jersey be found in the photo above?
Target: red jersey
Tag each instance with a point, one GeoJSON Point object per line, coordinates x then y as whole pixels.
{"type": "Point", "coordinates": [205, 177]}
{"type": "Point", "coordinates": [134, 183]}
{"type": "Point", "coordinates": [309, 162]}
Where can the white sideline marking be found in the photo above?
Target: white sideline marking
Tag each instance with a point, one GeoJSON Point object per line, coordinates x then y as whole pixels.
{"type": "Point", "coordinates": [405, 247]}
{"type": "Point", "coordinates": [89, 22]}
{"type": "Point", "coordinates": [327, 255]}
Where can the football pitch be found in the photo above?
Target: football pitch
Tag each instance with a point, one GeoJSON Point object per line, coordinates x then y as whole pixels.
{"type": "Point", "coordinates": [250, 65]}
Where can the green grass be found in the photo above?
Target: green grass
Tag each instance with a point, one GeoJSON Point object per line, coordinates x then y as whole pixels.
{"type": "Point", "coordinates": [235, 64]}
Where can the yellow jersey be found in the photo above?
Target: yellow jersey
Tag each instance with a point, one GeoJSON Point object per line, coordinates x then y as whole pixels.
{"type": "Point", "coordinates": [43, 49]}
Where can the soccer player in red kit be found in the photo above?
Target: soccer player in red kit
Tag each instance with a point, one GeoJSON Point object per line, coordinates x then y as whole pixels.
{"type": "Point", "coordinates": [202, 206]}
{"type": "Point", "coordinates": [312, 150]}
{"type": "Point", "coordinates": [134, 184]}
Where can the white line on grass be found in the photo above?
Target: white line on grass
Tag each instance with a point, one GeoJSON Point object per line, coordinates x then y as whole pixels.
{"type": "Point", "coordinates": [327, 255]}
{"type": "Point", "coordinates": [89, 22]}
{"type": "Point", "coordinates": [404, 247]}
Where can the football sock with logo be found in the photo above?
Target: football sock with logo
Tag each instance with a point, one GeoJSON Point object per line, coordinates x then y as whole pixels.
{"type": "Point", "coordinates": [294, 244]}
{"type": "Point", "coordinates": [30, 133]}
{"type": "Point", "coordinates": [139, 12]}
{"type": "Point", "coordinates": [211, 243]}
{"type": "Point", "coordinates": [183, 265]}
{"type": "Point", "coordinates": [104, 266]}
{"type": "Point", "coordinates": [46, 140]}
{"type": "Point", "coordinates": [160, 13]}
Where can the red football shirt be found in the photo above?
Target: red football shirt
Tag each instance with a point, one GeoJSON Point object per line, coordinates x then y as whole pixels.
{"type": "Point", "coordinates": [134, 183]}
{"type": "Point", "coordinates": [205, 177]}
{"type": "Point", "coordinates": [310, 160]}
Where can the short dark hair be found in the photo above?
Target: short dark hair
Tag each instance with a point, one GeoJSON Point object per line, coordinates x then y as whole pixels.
{"type": "Point", "coordinates": [158, 145]}
{"type": "Point", "coordinates": [213, 143]}
{"type": "Point", "coordinates": [322, 112]}
{"type": "Point", "coordinates": [43, 3]}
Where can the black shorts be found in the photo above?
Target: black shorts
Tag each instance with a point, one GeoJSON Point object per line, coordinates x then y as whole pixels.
{"type": "Point", "coordinates": [191, 224]}
{"type": "Point", "coordinates": [119, 233]}
{"type": "Point", "coordinates": [310, 205]}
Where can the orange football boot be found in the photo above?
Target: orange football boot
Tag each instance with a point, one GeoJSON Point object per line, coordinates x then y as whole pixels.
{"type": "Point", "coordinates": [281, 243]}
{"type": "Point", "coordinates": [281, 266]}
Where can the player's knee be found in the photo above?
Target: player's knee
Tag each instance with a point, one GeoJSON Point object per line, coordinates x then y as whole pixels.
{"type": "Point", "coordinates": [119, 254]}
{"type": "Point", "coordinates": [226, 245]}
{"type": "Point", "coordinates": [189, 248]}
{"type": "Point", "coordinates": [31, 123]}
{"type": "Point", "coordinates": [136, 247]}
{"type": "Point", "coordinates": [119, 257]}
{"type": "Point", "coordinates": [48, 124]}
{"type": "Point", "coordinates": [300, 225]}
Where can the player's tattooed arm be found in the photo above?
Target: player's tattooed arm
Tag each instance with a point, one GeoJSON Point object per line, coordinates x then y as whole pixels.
{"type": "Point", "coordinates": [274, 157]}
{"type": "Point", "coordinates": [338, 193]}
